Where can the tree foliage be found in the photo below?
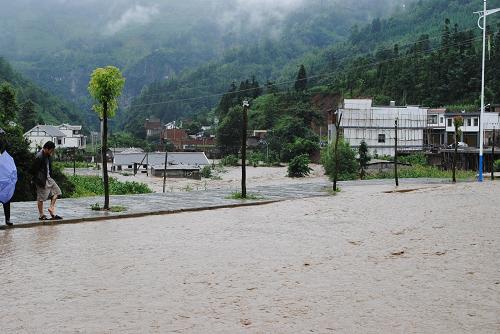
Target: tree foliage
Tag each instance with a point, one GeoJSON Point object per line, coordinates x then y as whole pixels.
{"type": "Point", "coordinates": [348, 166]}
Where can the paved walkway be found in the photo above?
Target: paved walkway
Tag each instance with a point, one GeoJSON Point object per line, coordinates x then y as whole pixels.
{"type": "Point", "coordinates": [24, 214]}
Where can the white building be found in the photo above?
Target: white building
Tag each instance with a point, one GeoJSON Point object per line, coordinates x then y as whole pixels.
{"type": "Point", "coordinates": [375, 125]}
{"type": "Point", "coordinates": [64, 136]}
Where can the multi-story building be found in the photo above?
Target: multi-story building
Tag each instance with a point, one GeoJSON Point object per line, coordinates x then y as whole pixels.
{"type": "Point", "coordinates": [64, 136]}
{"type": "Point", "coordinates": [376, 126]}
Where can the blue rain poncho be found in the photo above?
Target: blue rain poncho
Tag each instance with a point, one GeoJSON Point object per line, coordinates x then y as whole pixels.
{"type": "Point", "coordinates": [8, 177]}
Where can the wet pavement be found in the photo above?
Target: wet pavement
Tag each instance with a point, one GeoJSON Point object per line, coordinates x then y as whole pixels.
{"type": "Point", "coordinates": [25, 214]}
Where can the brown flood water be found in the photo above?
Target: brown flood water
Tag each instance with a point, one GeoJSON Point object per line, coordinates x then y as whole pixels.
{"type": "Point", "coordinates": [344, 264]}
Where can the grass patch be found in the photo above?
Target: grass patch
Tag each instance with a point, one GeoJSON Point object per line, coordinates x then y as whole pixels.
{"type": "Point", "coordinates": [87, 186]}
{"type": "Point", "coordinates": [116, 208]}
{"type": "Point", "coordinates": [237, 195]}
{"type": "Point", "coordinates": [331, 192]}
{"type": "Point", "coordinates": [69, 164]}
{"type": "Point", "coordinates": [422, 171]}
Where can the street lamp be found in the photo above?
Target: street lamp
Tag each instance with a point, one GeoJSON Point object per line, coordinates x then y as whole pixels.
{"type": "Point", "coordinates": [482, 15]}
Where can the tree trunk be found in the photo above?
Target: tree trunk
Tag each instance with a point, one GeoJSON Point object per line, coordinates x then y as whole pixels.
{"type": "Point", "coordinates": [454, 179]}
{"type": "Point", "coordinates": [396, 153]}
{"type": "Point", "coordinates": [337, 137]}
{"type": "Point", "coordinates": [104, 157]}
{"type": "Point", "coordinates": [244, 154]}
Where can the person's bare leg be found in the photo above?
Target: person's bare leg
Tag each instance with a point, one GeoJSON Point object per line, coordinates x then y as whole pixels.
{"type": "Point", "coordinates": [40, 208]}
{"type": "Point", "coordinates": [52, 208]}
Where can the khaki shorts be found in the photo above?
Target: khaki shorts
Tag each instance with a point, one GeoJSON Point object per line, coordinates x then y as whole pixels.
{"type": "Point", "coordinates": [50, 190]}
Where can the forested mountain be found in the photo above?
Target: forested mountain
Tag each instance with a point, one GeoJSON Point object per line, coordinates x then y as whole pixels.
{"type": "Point", "coordinates": [57, 43]}
{"type": "Point", "coordinates": [34, 102]}
{"type": "Point", "coordinates": [425, 70]}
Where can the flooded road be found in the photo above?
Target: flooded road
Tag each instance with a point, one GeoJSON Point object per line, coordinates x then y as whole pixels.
{"type": "Point", "coordinates": [349, 263]}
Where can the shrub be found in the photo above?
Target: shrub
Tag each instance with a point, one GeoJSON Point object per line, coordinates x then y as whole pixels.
{"type": "Point", "coordinates": [417, 159]}
{"type": "Point", "coordinates": [299, 166]}
{"type": "Point", "coordinates": [229, 160]}
{"type": "Point", "coordinates": [348, 165]}
{"type": "Point", "coordinates": [255, 158]}
{"type": "Point", "coordinates": [299, 146]}
{"type": "Point", "coordinates": [206, 172]}
{"type": "Point", "coordinates": [496, 165]}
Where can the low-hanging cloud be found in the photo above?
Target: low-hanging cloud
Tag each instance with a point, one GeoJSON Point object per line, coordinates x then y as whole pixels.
{"type": "Point", "coordinates": [135, 15]}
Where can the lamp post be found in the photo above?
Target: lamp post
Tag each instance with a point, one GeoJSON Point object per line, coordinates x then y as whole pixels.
{"type": "Point", "coordinates": [482, 15]}
{"type": "Point", "coordinates": [246, 105]}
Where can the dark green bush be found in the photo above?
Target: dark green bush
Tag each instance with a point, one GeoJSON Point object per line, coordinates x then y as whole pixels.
{"type": "Point", "coordinates": [206, 172]}
{"type": "Point", "coordinates": [299, 166]}
{"type": "Point", "coordinates": [229, 160]}
{"type": "Point", "coordinates": [496, 166]}
{"type": "Point", "coordinates": [348, 165]}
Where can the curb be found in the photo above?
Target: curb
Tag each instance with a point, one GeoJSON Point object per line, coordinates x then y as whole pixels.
{"type": "Point", "coordinates": [135, 215]}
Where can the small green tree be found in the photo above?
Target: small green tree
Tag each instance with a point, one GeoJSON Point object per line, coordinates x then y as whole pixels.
{"type": "Point", "coordinates": [299, 166]}
{"type": "Point", "coordinates": [105, 87]}
{"type": "Point", "coordinates": [301, 81]}
{"type": "Point", "coordinates": [28, 115]}
{"type": "Point", "coordinates": [8, 103]}
{"type": "Point", "coordinates": [363, 158]}
{"type": "Point", "coordinates": [347, 164]}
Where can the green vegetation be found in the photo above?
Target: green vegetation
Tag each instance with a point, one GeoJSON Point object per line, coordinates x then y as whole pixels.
{"type": "Point", "coordinates": [117, 208]}
{"type": "Point", "coordinates": [348, 166]}
{"type": "Point", "coordinates": [496, 166]}
{"type": "Point", "coordinates": [105, 87]}
{"type": "Point", "coordinates": [229, 160]}
{"type": "Point", "coordinates": [69, 164]}
{"type": "Point", "coordinates": [237, 195]}
{"type": "Point", "coordinates": [86, 186]}
{"type": "Point", "coordinates": [33, 104]}
{"type": "Point", "coordinates": [422, 171]}
{"type": "Point", "coordinates": [206, 172]}
{"type": "Point", "coordinates": [299, 166]}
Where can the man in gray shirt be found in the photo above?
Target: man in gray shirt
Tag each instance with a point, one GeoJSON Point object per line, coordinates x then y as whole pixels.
{"type": "Point", "coordinates": [46, 187]}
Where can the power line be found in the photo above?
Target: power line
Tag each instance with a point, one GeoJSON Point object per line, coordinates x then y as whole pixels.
{"type": "Point", "coordinates": [308, 78]}
{"type": "Point", "coordinates": [367, 53]}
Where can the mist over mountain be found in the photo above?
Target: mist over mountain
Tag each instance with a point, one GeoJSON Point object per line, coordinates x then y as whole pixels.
{"type": "Point", "coordinates": [57, 43]}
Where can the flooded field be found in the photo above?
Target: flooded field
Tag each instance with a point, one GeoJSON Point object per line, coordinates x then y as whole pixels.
{"type": "Point", "coordinates": [364, 261]}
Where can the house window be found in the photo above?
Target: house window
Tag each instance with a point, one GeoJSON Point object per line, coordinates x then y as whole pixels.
{"type": "Point", "coordinates": [432, 119]}
{"type": "Point", "coordinates": [450, 122]}
{"type": "Point", "coordinates": [469, 121]}
{"type": "Point", "coordinates": [59, 142]}
{"type": "Point", "coordinates": [441, 120]}
{"type": "Point", "coordinates": [476, 121]}
{"type": "Point", "coordinates": [381, 138]}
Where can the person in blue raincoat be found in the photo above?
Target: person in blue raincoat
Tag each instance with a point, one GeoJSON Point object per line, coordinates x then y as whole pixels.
{"type": "Point", "coordinates": [8, 177]}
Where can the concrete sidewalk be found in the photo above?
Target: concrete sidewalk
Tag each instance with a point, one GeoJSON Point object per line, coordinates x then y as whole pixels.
{"type": "Point", "coordinates": [25, 214]}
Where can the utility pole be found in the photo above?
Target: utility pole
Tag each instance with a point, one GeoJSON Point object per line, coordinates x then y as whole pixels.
{"type": "Point", "coordinates": [166, 162]}
{"type": "Point", "coordinates": [338, 120]}
{"type": "Point", "coordinates": [244, 150]}
{"type": "Point", "coordinates": [396, 152]}
{"type": "Point", "coordinates": [493, 156]}
{"type": "Point", "coordinates": [482, 15]}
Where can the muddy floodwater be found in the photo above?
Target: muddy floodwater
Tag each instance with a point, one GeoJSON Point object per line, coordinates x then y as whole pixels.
{"type": "Point", "coordinates": [364, 261]}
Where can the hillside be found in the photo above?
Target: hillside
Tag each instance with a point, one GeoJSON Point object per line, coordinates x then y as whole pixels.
{"type": "Point", "coordinates": [327, 57]}
{"type": "Point", "coordinates": [48, 108]}
{"type": "Point", "coordinates": [58, 43]}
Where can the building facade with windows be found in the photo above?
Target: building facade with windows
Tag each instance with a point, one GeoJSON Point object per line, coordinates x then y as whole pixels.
{"type": "Point", "coordinates": [376, 126]}
{"type": "Point", "coordinates": [64, 136]}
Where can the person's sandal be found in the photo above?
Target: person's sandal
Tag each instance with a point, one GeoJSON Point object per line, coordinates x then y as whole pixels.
{"type": "Point", "coordinates": [43, 217]}
{"type": "Point", "coordinates": [56, 217]}
{"type": "Point", "coordinates": [9, 223]}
